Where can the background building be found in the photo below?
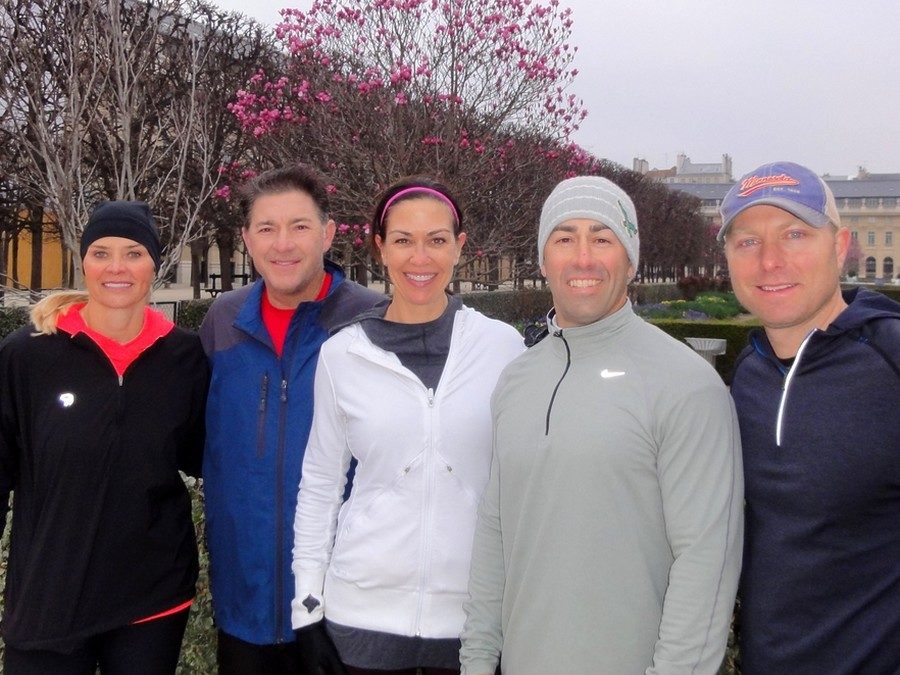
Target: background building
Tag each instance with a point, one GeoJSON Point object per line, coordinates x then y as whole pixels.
{"type": "Point", "coordinates": [868, 203]}
{"type": "Point", "coordinates": [686, 172]}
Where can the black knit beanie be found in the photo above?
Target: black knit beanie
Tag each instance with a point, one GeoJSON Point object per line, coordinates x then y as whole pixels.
{"type": "Point", "coordinates": [130, 220]}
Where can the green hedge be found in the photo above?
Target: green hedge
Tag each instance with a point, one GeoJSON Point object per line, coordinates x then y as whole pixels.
{"type": "Point", "coordinates": [12, 318]}
{"type": "Point", "coordinates": [735, 333]}
{"type": "Point", "coordinates": [191, 313]}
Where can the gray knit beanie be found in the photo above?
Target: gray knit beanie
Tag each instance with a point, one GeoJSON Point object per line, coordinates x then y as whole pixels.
{"type": "Point", "coordinates": [594, 198]}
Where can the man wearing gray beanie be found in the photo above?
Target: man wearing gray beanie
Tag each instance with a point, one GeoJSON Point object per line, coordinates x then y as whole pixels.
{"type": "Point", "coordinates": [609, 536]}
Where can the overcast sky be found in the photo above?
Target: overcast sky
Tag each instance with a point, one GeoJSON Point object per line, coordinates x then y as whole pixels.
{"type": "Point", "coordinates": [816, 82]}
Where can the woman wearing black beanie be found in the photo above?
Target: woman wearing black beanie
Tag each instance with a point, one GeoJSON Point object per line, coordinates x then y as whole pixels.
{"type": "Point", "coordinates": [102, 405]}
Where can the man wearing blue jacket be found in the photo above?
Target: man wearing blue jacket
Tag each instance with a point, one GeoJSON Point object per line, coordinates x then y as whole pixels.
{"type": "Point", "coordinates": [818, 397]}
{"type": "Point", "coordinates": [263, 343]}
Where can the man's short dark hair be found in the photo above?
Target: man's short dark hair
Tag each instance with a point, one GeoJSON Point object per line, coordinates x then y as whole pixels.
{"type": "Point", "coordinates": [300, 177]}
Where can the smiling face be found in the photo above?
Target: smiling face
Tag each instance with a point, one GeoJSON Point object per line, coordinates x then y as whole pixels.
{"type": "Point", "coordinates": [786, 272]}
{"type": "Point", "coordinates": [420, 252]}
{"type": "Point", "coordinates": [118, 273]}
{"type": "Point", "coordinates": [588, 271]}
{"type": "Point", "coordinates": [287, 239]}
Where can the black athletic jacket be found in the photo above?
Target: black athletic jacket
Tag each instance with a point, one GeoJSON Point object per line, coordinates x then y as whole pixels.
{"type": "Point", "coordinates": [102, 533]}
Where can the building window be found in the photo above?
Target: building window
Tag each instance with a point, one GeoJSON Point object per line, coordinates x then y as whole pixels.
{"type": "Point", "coordinates": [888, 238]}
{"type": "Point", "coordinates": [872, 202]}
{"type": "Point", "coordinates": [855, 235]}
{"type": "Point", "coordinates": [889, 202]}
{"type": "Point", "coordinates": [870, 267]}
{"type": "Point", "coordinates": [854, 202]}
{"type": "Point", "coordinates": [870, 240]}
{"type": "Point", "coordinates": [888, 268]}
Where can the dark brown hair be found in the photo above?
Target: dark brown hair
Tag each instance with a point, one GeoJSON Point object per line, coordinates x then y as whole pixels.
{"type": "Point", "coordinates": [300, 177]}
{"type": "Point", "coordinates": [386, 203]}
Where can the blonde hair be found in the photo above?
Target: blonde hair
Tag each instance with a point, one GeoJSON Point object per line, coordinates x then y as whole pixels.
{"type": "Point", "coordinates": [45, 313]}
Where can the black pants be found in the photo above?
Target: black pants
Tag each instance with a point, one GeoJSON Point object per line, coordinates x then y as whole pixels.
{"type": "Point", "coordinates": [150, 648]}
{"type": "Point", "coordinates": [237, 657]}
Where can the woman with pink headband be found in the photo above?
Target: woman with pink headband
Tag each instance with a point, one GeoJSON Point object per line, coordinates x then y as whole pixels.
{"type": "Point", "coordinates": [405, 391]}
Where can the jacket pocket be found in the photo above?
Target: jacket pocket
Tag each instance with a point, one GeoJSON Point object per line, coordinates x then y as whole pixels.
{"type": "Point", "coordinates": [452, 529]}
{"type": "Point", "coordinates": [378, 545]}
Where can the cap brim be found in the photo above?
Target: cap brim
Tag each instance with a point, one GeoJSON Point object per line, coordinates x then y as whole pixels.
{"type": "Point", "coordinates": [807, 215]}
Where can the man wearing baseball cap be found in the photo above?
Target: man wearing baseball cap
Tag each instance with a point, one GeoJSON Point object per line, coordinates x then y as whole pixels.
{"type": "Point", "coordinates": [609, 536]}
{"type": "Point", "coordinates": [818, 397]}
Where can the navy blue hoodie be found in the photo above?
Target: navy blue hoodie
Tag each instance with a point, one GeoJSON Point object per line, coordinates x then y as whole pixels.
{"type": "Point", "coordinates": [820, 589]}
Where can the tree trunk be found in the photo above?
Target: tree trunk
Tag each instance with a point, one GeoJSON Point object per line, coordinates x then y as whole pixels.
{"type": "Point", "coordinates": [14, 274]}
{"type": "Point", "coordinates": [361, 272]}
{"type": "Point", "coordinates": [225, 243]}
{"type": "Point", "coordinates": [4, 256]}
{"type": "Point", "coordinates": [36, 225]}
{"type": "Point", "coordinates": [198, 248]}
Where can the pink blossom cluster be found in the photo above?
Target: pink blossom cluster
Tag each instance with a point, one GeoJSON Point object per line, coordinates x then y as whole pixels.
{"type": "Point", "coordinates": [354, 233]}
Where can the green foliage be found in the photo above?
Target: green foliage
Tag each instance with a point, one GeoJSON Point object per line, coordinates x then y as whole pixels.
{"type": "Point", "coordinates": [649, 294]}
{"type": "Point", "coordinates": [690, 287]}
{"type": "Point", "coordinates": [709, 305]}
{"type": "Point", "coordinates": [736, 333]}
{"type": "Point", "coordinates": [191, 313]}
{"type": "Point", "coordinates": [511, 306]}
{"type": "Point", "coordinates": [11, 319]}
{"type": "Point", "coordinates": [198, 650]}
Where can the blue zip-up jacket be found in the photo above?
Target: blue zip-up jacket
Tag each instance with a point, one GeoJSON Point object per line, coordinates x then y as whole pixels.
{"type": "Point", "coordinates": [820, 589]}
{"type": "Point", "coordinates": [258, 416]}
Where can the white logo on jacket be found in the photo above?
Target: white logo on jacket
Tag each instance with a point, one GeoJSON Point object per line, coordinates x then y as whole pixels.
{"type": "Point", "coordinates": [606, 373]}
{"type": "Point", "coordinates": [66, 399]}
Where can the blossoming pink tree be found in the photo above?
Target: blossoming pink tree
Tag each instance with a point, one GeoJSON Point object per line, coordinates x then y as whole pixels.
{"type": "Point", "coordinates": [475, 91]}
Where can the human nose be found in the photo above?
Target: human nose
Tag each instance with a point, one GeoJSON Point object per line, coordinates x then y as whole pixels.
{"type": "Point", "coordinates": [420, 253]}
{"type": "Point", "coordinates": [771, 255]}
{"type": "Point", "coordinates": [283, 241]}
{"type": "Point", "coordinates": [116, 263]}
{"type": "Point", "coordinates": [583, 256]}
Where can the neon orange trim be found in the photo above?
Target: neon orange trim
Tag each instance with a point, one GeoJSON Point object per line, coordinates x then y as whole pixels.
{"type": "Point", "coordinates": [180, 608]}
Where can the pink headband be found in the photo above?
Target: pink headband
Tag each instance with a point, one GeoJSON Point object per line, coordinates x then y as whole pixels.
{"type": "Point", "coordinates": [420, 188]}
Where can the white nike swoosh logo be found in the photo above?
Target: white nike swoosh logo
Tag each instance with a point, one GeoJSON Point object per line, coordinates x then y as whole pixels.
{"type": "Point", "coordinates": [606, 374]}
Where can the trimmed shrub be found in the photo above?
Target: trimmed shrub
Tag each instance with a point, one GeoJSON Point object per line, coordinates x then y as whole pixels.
{"type": "Point", "coordinates": [649, 294]}
{"type": "Point", "coordinates": [11, 319]}
{"type": "Point", "coordinates": [737, 335]}
{"type": "Point", "coordinates": [511, 306]}
{"type": "Point", "coordinates": [191, 313]}
{"type": "Point", "coordinates": [709, 305]}
{"type": "Point", "coordinates": [690, 287]}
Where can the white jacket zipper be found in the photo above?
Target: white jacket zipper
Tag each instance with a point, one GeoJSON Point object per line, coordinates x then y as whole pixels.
{"type": "Point", "coordinates": [787, 383]}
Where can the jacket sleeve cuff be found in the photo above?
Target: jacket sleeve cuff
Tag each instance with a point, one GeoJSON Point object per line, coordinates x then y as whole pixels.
{"type": "Point", "coordinates": [479, 668]}
{"type": "Point", "coordinates": [308, 605]}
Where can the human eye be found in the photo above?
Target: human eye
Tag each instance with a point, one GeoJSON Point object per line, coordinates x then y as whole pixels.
{"type": "Point", "coordinates": [134, 254]}
{"type": "Point", "coordinates": [98, 253]}
{"type": "Point", "coordinates": [439, 241]}
{"type": "Point", "coordinates": [795, 234]}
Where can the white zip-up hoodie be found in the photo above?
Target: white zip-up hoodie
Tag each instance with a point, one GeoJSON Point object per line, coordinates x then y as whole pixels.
{"type": "Point", "coordinates": [395, 556]}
